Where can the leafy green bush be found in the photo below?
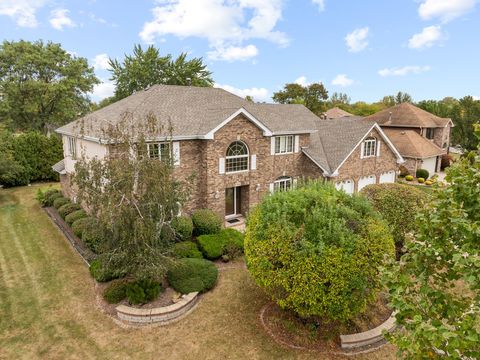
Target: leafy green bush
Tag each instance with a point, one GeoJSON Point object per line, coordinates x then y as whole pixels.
{"type": "Point", "coordinates": [43, 196]}
{"type": "Point", "coordinates": [95, 236]}
{"type": "Point", "coordinates": [422, 173]}
{"type": "Point", "coordinates": [428, 182]}
{"type": "Point", "coordinates": [318, 251]}
{"type": "Point", "coordinates": [409, 178]}
{"type": "Point", "coordinates": [226, 242]}
{"type": "Point", "coordinates": [183, 227]}
{"type": "Point", "coordinates": [49, 199]}
{"type": "Point", "coordinates": [421, 180]}
{"type": "Point", "coordinates": [66, 209]}
{"type": "Point", "coordinates": [79, 225]}
{"type": "Point", "coordinates": [191, 275]}
{"type": "Point", "coordinates": [116, 291]}
{"type": "Point", "coordinates": [398, 204]}
{"type": "Point", "coordinates": [100, 272]}
{"type": "Point", "coordinates": [73, 216]}
{"type": "Point", "coordinates": [60, 201]}
{"type": "Point", "coordinates": [143, 291]}
{"type": "Point", "coordinates": [206, 222]}
{"type": "Point", "coordinates": [186, 249]}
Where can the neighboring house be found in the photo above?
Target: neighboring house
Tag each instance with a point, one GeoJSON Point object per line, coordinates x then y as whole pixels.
{"type": "Point", "coordinates": [421, 137]}
{"type": "Point", "coordinates": [239, 151]}
{"type": "Point", "coordinates": [335, 113]}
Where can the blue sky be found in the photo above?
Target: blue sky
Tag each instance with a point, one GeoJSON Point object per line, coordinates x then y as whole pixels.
{"type": "Point", "coordinates": [367, 49]}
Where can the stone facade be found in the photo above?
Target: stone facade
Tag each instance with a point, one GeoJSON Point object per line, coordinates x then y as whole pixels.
{"type": "Point", "coordinates": [441, 137]}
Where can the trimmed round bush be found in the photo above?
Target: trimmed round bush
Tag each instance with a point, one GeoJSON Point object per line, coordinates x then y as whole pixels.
{"type": "Point", "coordinates": [143, 291]}
{"type": "Point", "coordinates": [428, 182]}
{"type": "Point", "coordinates": [79, 225]}
{"type": "Point", "coordinates": [409, 178]}
{"type": "Point", "coordinates": [317, 251]}
{"type": "Point", "coordinates": [76, 215]}
{"type": "Point", "coordinates": [398, 204]}
{"type": "Point", "coordinates": [227, 242]}
{"type": "Point", "coordinates": [191, 275]}
{"type": "Point", "coordinates": [94, 236]}
{"type": "Point", "coordinates": [206, 222]}
{"type": "Point", "coordinates": [99, 271]}
{"type": "Point", "coordinates": [422, 173]}
{"type": "Point", "coordinates": [60, 201]}
{"type": "Point", "coordinates": [116, 291]}
{"type": "Point", "coordinates": [66, 209]}
{"type": "Point", "coordinates": [51, 197]}
{"type": "Point", "coordinates": [183, 227]}
{"type": "Point", "coordinates": [186, 249]}
{"type": "Point", "coordinates": [421, 180]}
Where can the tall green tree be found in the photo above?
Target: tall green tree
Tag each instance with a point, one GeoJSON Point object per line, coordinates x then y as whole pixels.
{"type": "Point", "coordinates": [145, 68]}
{"type": "Point", "coordinates": [399, 98]}
{"type": "Point", "coordinates": [313, 96]}
{"type": "Point", "coordinates": [41, 84]}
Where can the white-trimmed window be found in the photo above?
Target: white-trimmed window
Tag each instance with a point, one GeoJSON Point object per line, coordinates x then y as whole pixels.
{"type": "Point", "coordinates": [160, 151]}
{"type": "Point", "coordinates": [283, 183]}
{"type": "Point", "coordinates": [72, 147]}
{"type": "Point", "coordinates": [284, 144]}
{"type": "Point", "coordinates": [237, 157]}
{"type": "Point", "coordinates": [430, 133]}
{"type": "Point", "coordinates": [370, 147]}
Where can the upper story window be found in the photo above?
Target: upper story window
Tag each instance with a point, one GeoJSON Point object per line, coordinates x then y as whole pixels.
{"type": "Point", "coordinates": [160, 151]}
{"type": "Point", "coordinates": [369, 147]}
{"type": "Point", "coordinates": [283, 183]}
{"type": "Point", "coordinates": [237, 157]}
{"type": "Point", "coordinates": [430, 132]}
{"type": "Point", "coordinates": [72, 147]}
{"type": "Point", "coordinates": [284, 144]}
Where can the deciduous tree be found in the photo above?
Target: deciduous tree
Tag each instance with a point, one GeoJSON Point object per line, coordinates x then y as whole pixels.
{"type": "Point", "coordinates": [313, 96]}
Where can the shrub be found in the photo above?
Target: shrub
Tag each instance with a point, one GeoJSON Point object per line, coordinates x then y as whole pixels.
{"type": "Point", "coordinates": [186, 249]}
{"type": "Point", "coordinates": [318, 251]}
{"type": "Point", "coordinates": [79, 225]}
{"type": "Point", "coordinates": [422, 173]}
{"type": "Point", "coordinates": [428, 182]}
{"type": "Point", "coordinates": [183, 227]}
{"type": "Point", "coordinates": [99, 271]}
{"type": "Point", "coordinates": [191, 275]}
{"type": "Point", "coordinates": [44, 196]}
{"type": "Point", "coordinates": [409, 178]}
{"type": "Point", "coordinates": [49, 199]}
{"type": "Point", "coordinates": [60, 201]}
{"type": "Point", "coordinates": [421, 180]}
{"type": "Point", "coordinates": [94, 235]}
{"type": "Point", "coordinates": [205, 221]}
{"type": "Point", "coordinates": [116, 291]}
{"type": "Point", "coordinates": [142, 291]}
{"type": "Point", "coordinates": [403, 171]}
{"type": "Point", "coordinates": [66, 209]}
{"type": "Point", "coordinates": [447, 160]}
{"type": "Point", "coordinates": [226, 242]}
{"type": "Point", "coordinates": [73, 216]}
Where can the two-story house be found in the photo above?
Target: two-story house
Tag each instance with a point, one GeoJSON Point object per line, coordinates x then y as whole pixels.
{"type": "Point", "coordinates": [239, 151]}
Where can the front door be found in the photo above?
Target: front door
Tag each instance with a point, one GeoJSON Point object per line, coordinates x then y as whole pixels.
{"type": "Point", "coordinates": [232, 201]}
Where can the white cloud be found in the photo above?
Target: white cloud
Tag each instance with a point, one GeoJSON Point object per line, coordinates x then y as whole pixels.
{"type": "Point", "coordinates": [342, 80]}
{"type": "Point", "coordinates": [476, 97]}
{"type": "Point", "coordinates": [100, 62]}
{"type": "Point", "coordinates": [402, 71]}
{"type": "Point", "coordinates": [258, 94]}
{"type": "Point", "coordinates": [445, 10]}
{"type": "Point", "coordinates": [357, 39]}
{"type": "Point", "coordinates": [103, 90]}
{"type": "Point", "coordinates": [59, 19]}
{"type": "Point", "coordinates": [223, 23]}
{"type": "Point", "coordinates": [302, 80]}
{"type": "Point", "coordinates": [233, 53]}
{"type": "Point", "coordinates": [427, 38]}
{"type": "Point", "coordinates": [21, 11]}
{"type": "Point", "coordinates": [320, 4]}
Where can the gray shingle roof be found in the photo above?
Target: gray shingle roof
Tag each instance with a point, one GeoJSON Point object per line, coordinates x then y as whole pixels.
{"type": "Point", "coordinates": [192, 111]}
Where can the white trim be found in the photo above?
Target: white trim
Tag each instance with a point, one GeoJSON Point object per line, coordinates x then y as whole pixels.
{"type": "Point", "coordinates": [221, 166]}
{"type": "Point", "coordinates": [176, 153]}
{"type": "Point", "coordinates": [362, 149]}
{"type": "Point", "coordinates": [253, 162]}
{"type": "Point", "coordinates": [294, 132]}
{"type": "Point", "coordinates": [378, 148]}
{"type": "Point", "coordinates": [272, 187]}
{"type": "Point", "coordinates": [272, 145]}
{"type": "Point", "coordinates": [253, 119]}
{"type": "Point", "coordinates": [296, 143]}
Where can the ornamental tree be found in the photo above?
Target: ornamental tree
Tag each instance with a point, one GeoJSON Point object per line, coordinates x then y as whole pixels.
{"type": "Point", "coordinates": [435, 288]}
{"type": "Point", "coordinates": [318, 251]}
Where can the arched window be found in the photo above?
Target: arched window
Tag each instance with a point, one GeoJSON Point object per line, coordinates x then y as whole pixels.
{"type": "Point", "coordinates": [283, 183]}
{"type": "Point", "coordinates": [237, 157]}
{"type": "Point", "coordinates": [369, 147]}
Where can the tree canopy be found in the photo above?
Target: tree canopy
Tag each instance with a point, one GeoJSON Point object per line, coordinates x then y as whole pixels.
{"type": "Point", "coordinates": [41, 84]}
{"type": "Point", "coordinates": [313, 96]}
{"type": "Point", "coordinates": [145, 68]}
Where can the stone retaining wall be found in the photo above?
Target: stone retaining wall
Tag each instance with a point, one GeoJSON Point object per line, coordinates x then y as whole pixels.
{"type": "Point", "coordinates": [164, 314]}
{"type": "Point", "coordinates": [369, 337]}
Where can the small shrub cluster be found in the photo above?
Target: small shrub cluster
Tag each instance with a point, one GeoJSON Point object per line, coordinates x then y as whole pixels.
{"type": "Point", "coordinates": [186, 249]}
{"type": "Point", "coordinates": [79, 225]}
{"type": "Point", "coordinates": [409, 178]}
{"type": "Point", "coordinates": [74, 216]}
{"type": "Point", "coordinates": [428, 182]}
{"type": "Point", "coordinates": [94, 235]}
{"type": "Point", "coordinates": [101, 273]}
{"type": "Point", "coordinates": [228, 242]}
{"type": "Point", "coordinates": [191, 275]}
{"type": "Point", "coordinates": [143, 291]}
{"type": "Point", "coordinates": [422, 173]}
{"type": "Point", "coordinates": [60, 201]}
{"type": "Point", "coordinates": [68, 208]}
{"type": "Point", "coordinates": [206, 222]}
{"type": "Point", "coordinates": [46, 198]}
{"type": "Point", "coordinates": [421, 180]}
{"type": "Point", "coordinates": [447, 160]}
{"type": "Point", "coordinates": [183, 227]}
{"type": "Point", "coordinates": [116, 291]}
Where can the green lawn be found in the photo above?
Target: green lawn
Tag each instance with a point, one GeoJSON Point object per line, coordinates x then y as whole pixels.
{"type": "Point", "coordinates": [48, 306]}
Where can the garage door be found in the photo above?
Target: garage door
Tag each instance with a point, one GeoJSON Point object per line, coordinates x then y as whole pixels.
{"type": "Point", "coordinates": [387, 177]}
{"type": "Point", "coordinates": [366, 180]}
{"type": "Point", "coordinates": [346, 185]}
{"type": "Point", "coordinates": [429, 164]}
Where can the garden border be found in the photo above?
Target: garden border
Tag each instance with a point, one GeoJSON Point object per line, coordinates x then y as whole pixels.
{"type": "Point", "coordinates": [369, 337]}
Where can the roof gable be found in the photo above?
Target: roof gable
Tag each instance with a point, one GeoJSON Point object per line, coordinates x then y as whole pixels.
{"type": "Point", "coordinates": [411, 144]}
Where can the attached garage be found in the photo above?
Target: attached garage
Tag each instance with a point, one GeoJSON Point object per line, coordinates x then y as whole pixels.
{"type": "Point", "coordinates": [366, 180]}
{"type": "Point", "coordinates": [346, 185]}
{"type": "Point", "coordinates": [387, 177]}
{"type": "Point", "coordinates": [429, 164]}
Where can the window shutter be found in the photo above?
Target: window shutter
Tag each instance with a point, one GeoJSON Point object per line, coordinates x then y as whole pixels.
{"type": "Point", "coordinates": [253, 162]}
{"type": "Point", "coordinates": [272, 145]}
{"type": "Point", "coordinates": [176, 153]}
{"type": "Point", "coordinates": [272, 187]}
{"type": "Point", "coordinates": [378, 148]}
{"type": "Point", "coordinates": [297, 143]}
{"type": "Point", "coordinates": [294, 182]}
{"type": "Point", "coordinates": [361, 149]}
{"type": "Point", "coordinates": [221, 165]}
